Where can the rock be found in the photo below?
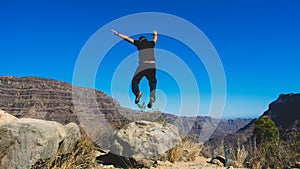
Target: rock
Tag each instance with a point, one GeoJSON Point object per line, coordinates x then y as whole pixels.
{"type": "Point", "coordinates": [99, 153]}
{"type": "Point", "coordinates": [221, 158]}
{"type": "Point", "coordinates": [218, 160]}
{"type": "Point", "coordinates": [23, 142]}
{"type": "Point", "coordinates": [168, 163]}
{"type": "Point", "coordinates": [145, 141]}
{"type": "Point", "coordinates": [160, 163]}
{"type": "Point", "coordinates": [71, 139]}
{"type": "Point", "coordinates": [6, 117]}
{"type": "Point", "coordinates": [108, 167]}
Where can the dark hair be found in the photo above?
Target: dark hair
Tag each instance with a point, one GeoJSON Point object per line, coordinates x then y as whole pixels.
{"type": "Point", "coordinates": [142, 38]}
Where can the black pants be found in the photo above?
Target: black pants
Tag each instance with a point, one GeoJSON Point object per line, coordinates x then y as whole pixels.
{"type": "Point", "coordinates": [149, 71]}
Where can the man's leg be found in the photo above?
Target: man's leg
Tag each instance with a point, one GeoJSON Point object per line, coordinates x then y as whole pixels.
{"type": "Point", "coordinates": [151, 76]}
{"type": "Point", "coordinates": [138, 75]}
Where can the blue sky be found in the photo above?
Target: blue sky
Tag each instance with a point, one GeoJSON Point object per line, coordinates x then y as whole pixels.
{"type": "Point", "coordinates": [257, 42]}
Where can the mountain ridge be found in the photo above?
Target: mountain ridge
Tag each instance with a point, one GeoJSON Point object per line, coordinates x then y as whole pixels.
{"type": "Point", "coordinates": [284, 111]}
{"type": "Point", "coordinates": [49, 99]}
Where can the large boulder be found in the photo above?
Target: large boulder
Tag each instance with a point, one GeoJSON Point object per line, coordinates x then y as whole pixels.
{"type": "Point", "coordinates": [25, 141]}
{"type": "Point", "coordinates": [145, 141]}
{"type": "Point", "coordinates": [6, 117]}
{"type": "Point", "coordinates": [71, 139]}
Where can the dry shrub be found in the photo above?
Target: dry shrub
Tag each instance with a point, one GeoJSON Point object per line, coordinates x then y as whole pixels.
{"type": "Point", "coordinates": [154, 115]}
{"type": "Point", "coordinates": [237, 153]}
{"type": "Point", "coordinates": [269, 155]}
{"type": "Point", "coordinates": [269, 150]}
{"type": "Point", "coordinates": [186, 150]}
{"type": "Point", "coordinates": [239, 156]}
{"type": "Point", "coordinates": [83, 156]}
{"type": "Point", "coordinates": [175, 154]}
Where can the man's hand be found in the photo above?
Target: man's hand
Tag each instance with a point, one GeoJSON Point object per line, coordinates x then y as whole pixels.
{"type": "Point", "coordinates": [115, 32]}
{"type": "Point", "coordinates": [154, 33]}
{"type": "Point", "coordinates": [128, 39]}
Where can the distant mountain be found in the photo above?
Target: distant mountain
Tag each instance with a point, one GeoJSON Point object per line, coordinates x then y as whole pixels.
{"type": "Point", "coordinates": [200, 125]}
{"type": "Point", "coordinates": [285, 112]}
{"type": "Point", "coordinates": [49, 99]}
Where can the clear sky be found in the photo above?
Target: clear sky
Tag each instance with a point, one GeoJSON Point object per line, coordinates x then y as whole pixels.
{"type": "Point", "coordinates": [257, 42]}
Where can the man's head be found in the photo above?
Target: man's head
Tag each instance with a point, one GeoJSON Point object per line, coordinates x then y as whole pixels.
{"type": "Point", "coordinates": [142, 38]}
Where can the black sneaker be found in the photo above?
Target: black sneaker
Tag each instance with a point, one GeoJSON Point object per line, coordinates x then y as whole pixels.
{"type": "Point", "coordinates": [138, 97]}
{"type": "Point", "coordinates": [150, 104]}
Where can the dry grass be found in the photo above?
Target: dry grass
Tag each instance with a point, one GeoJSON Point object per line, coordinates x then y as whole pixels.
{"type": "Point", "coordinates": [238, 155]}
{"type": "Point", "coordinates": [185, 151]}
{"type": "Point", "coordinates": [154, 115]}
{"type": "Point", "coordinates": [175, 154]}
{"type": "Point", "coordinates": [83, 156]}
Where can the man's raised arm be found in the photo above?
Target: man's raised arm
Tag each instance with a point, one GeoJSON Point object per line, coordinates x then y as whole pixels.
{"type": "Point", "coordinates": [127, 38]}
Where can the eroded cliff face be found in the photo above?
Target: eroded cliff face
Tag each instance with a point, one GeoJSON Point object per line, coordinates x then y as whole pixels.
{"type": "Point", "coordinates": [49, 99]}
{"type": "Point", "coordinates": [284, 111]}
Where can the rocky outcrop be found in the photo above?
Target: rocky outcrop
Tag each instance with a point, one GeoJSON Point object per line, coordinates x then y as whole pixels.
{"type": "Point", "coordinates": [145, 141]}
{"type": "Point", "coordinates": [284, 111]}
{"type": "Point", "coordinates": [6, 117]}
{"type": "Point", "coordinates": [25, 141]}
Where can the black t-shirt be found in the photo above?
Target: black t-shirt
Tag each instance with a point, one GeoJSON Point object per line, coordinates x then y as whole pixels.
{"type": "Point", "coordinates": [146, 50]}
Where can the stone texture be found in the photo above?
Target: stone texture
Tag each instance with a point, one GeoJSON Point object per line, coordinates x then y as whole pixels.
{"type": "Point", "coordinates": [145, 141]}
{"type": "Point", "coordinates": [72, 137]}
{"type": "Point", "coordinates": [6, 117]}
{"type": "Point", "coordinates": [25, 141]}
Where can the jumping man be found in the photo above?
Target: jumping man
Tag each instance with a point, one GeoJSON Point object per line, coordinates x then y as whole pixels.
{"type": "Point", "coordinates": [146, 66]}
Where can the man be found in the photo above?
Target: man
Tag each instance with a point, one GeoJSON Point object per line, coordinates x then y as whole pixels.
{"type": "Point", "coordinates": [146, 66]}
